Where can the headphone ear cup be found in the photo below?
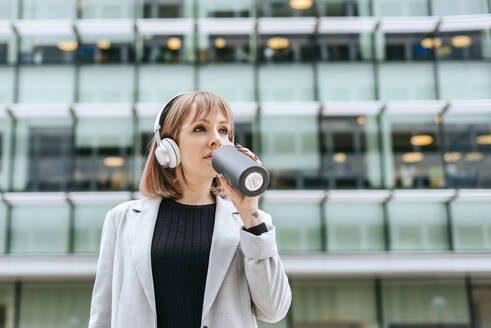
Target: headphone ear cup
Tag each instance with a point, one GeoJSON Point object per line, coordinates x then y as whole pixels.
{"type": "Point", "coordinates": [167, 153]}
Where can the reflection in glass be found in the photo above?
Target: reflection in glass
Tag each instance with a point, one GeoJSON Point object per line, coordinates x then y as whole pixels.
{"type": "Point", "coordinates": [48, 304]}
{"type": "Point", "coordinates": [167, 49]}
{"type": "Point", "coordinates": [350, 154]}
{"type": "Point", "coordinates": [286, 69]}
{"type": "Point", "coordinates": [334, 303]}
{"type": "Point", "coordinates": [168, 8]}
{"type": "Point", "coordinates": [417, 226]}
{"type": "Point", "coordinates": [40, 228]}
{"type": "Point", "coordinates": [225, 8]}
{"type": "Point", "coordinates": [106, 49]}
{"type": "Point", "coordinates": [471, 225]}
{"type": "Point", "coordinates": [354, 226]}
{"type": "Point", "coordinates": [103, 159]}
{"type": "Point", "coordinates": [337, 8]}
{"type": "Point", "coordinates": [428, 303]}
{"type": "Point", "coordinates": [286, 8]}
{"type": "Point", "coordinates": [415, 146]}
{"type": "Point", "coordinates": [467, 152]}
{"type": "Point", "coordinates": [462, 45]}
{"type": "Point", "coordinates": [44, 49]}
{"type": "Point", "coordinates": [46, 83]}
{"type": "Point", "coordinates": [300, 226]}
{"type": "Point", "coordinates": [43, 154]}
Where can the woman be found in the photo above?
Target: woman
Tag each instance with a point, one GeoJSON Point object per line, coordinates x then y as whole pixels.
{"type": "Point", "coordinates": [194, 252]}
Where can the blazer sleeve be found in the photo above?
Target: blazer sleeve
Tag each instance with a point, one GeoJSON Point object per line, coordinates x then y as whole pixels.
{"type": "Point", "coordinates": [100, 307]}
{"type": "Point", "coordinates": [270, 291]}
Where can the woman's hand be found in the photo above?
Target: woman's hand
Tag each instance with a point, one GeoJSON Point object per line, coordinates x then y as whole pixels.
{"type": "Point", "coordinates": [247, 206]}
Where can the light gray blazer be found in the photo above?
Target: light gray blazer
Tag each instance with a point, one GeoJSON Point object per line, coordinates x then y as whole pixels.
{"type": "Point", "coordinates": [246, 278]}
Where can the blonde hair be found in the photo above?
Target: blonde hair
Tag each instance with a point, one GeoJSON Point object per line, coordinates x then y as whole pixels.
{"type": "Point", "coordinates": [157, 181]}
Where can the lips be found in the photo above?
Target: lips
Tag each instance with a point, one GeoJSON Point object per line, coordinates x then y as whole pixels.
{"type": "Point", "coordinates": [208, 156]}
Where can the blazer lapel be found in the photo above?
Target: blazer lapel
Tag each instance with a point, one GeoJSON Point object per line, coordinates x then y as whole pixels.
{"type": "Point", "coordinates": [141, 226]}
{"type": "Point", "coordinates": [223, 247]}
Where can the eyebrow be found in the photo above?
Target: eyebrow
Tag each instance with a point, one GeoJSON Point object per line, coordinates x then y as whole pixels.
{"type": "Point", "coordinates": [205, 120]}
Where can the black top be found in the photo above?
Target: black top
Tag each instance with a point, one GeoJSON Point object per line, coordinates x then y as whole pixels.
{"type": "Point", "coordinates": [180, 251]}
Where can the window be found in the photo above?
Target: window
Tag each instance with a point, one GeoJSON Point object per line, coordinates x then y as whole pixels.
{"type": "Point", "coordinates": [459, 7]}
{"type": "Point", "coordinates": [337, 8]}
{"type": "Point", "coordinates": [467, 150]}
{"type": "Point", "coordinates": [168, 8]}
{"type": "Point", "coordinates": [349, 153]}
{"type": "Point", "coordinates": [413, 148]}
{"type": "Point", "coordinates": [46, 83]}
{"type": "Point", "coordinates": [471, 225]}
{"type": "Point", "coordinates": [285, 8]}
{"type": "Point", "coordinates": [89, 219]}
{"type": "Point", "coordinates": [220, 8]}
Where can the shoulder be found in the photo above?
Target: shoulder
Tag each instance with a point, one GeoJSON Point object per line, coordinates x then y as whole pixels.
{"type": "Point", "coordinates": [136, 206]}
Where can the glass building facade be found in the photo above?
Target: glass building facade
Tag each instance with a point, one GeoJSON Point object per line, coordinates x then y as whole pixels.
{"type": "Point", "coordinates": [373, 118]}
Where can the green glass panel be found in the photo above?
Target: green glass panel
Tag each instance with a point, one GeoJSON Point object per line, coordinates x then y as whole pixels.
{"type": "Point", "coordinates": [49, 9]}
{"type": "Point", "coordinates": [290, 142]}
{"type": "Point", "coordinates": [401, 8]}
{"type": "Point", "coordinates": [459, 7]}
{"type": "Point", "coordinates": [465, 80]}
{"type": "Point", "coordinates": [6, 84]}
{"type": "Point", "coordinates": [3, 228]}
{"type": "Point", "coordinates": [471, 223]}
{"type": "Point", "coordinates": [334, 303]}
{"type": "Point", "coordinates": [159, 83]}
{"type": "Point", "coordinates": [88, 226]}
{"type": "Point", "coordinates": [108, 8]}
{"type": "Point", "coordinates": [417, 226]}
{"type": "Point", "coordinates": [336, 81]}
{"type": "Point", "coordinates": [297, 224]}
{"type": "Point", "coordinates": [40, 228]}
{"type": "Point", "coordinates": [418, 82]}
{"type": "Point", "coordinates": [7, 305]}
{"type": "Point", "coordinates": [107, 83]}
{"type": "Point", "coordinates": [425, 303]}
{"type": "Point", "coordinates": [46, 84]}
{"type": "Point", "coordinates": [55, 305]}
{"type": "Point", "coordinates": [286, 82]}
{"type": "Point", "coordinates": [222, 79]}
{"type": "Point", "coordinates": [354, 226]}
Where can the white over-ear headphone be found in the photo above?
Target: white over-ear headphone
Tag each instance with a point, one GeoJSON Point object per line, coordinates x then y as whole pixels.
{"type": "Point", "coordinates": [167, 151]}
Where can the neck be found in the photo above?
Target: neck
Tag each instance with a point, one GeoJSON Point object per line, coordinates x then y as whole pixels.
{"type": "Point", "coordinates": [196, 193]}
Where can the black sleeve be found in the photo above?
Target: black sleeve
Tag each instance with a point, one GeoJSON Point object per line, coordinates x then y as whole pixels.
{"type": "Point", "coordinates": [258, 229]}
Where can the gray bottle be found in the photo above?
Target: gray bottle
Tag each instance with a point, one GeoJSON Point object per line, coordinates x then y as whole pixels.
{"type": "Point", "coordinates": [241, 171]}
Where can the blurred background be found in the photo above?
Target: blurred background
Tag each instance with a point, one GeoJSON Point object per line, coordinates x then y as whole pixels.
{"type": "Point", "coordinates": [373, 117]}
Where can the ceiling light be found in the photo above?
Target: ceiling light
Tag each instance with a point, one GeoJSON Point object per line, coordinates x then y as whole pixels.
{"type": "Point", "coordinates": [361, 120]}
{"type": "Point", "coordinates": [438, 119]}
{"type": "Point", "coordinates": [474, 156]}
{"type": "Point", "coordinates": [104, 44]}
{"type": "Point", "coordinates": [301, 4]}
{"type": "Point", "coordinates": [421, 140]}
{"type": "Point", "coordinates": [461, 41]}
{"type": "Point", "coordinates": [114, 161]}
{"type": "Point", "coordinates": [174, 43]}
{"type": "Point", "coordinates": [484, 139]}
{"type": "Point", "coordinates": [67, 45]}
{"type": "Point", "coordinates": [412, 157]}
{"type": "Point", "coordinates": [278, 43]}
{"type": "Point", "coordinates": [452, 156]}
{"type": "Point", "coordinates": [431, 43]}
{"type": "Point", "coordinates": [220, 43]}
{"type": "Point", "coordinates": [339, 157]}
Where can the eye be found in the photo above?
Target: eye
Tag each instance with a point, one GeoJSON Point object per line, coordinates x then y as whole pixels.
{"type": "Point", "coordinates": [224, 129]}
{"type": "Point", "coordinates": [198, 127]}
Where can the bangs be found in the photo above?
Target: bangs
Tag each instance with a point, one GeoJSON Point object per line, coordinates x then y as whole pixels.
{"type": "Point", "coordinates": [204, 104]}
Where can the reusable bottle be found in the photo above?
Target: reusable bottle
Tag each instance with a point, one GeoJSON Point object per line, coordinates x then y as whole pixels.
{"type": "Point", "coordinates": [241, 171]}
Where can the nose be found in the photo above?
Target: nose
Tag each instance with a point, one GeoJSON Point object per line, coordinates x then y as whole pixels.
{"type": "Point", "coordinates": [216, 140]}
